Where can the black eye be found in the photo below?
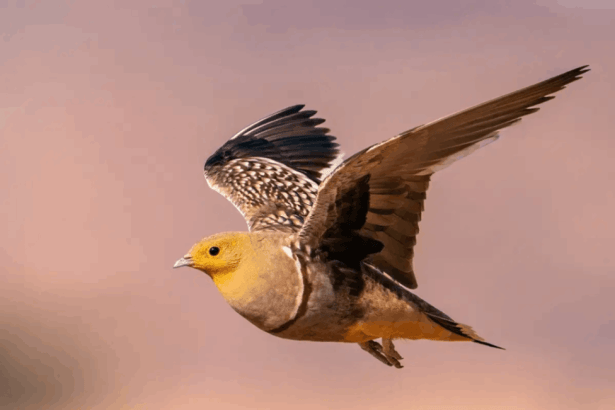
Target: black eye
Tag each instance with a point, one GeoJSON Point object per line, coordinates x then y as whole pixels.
{"type": "Point", "coordinates": [214, 250]}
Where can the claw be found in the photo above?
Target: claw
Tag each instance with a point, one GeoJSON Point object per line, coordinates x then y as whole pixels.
{"type": "Point", "coordinates": [395, 362]}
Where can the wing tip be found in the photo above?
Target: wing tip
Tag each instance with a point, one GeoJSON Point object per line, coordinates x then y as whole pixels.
{"type": "Point", "coordinates": [576, 72]}
{"type": "Point", "coordinates": [571, 76]}
{"type": "Point", "coordinates": [292, 109]}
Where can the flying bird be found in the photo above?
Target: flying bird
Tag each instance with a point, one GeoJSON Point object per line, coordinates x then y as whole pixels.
{"type": "Point", "coordinates": [328, 255]}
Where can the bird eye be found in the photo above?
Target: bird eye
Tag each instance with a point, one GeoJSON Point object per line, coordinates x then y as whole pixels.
{"type": "Point", "coordinates": [214, 250]}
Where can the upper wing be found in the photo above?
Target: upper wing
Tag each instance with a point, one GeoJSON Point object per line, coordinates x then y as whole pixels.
{"type": "Point", "coordinates": [271, 170]}
{"type": "Point", "coordinates": [398, 172]}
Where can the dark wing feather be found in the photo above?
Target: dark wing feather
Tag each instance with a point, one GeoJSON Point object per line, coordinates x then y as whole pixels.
{"type": "Point", "coordinates": [400, 169]}
{"type": "Point", "coordinates": [271, 169]}
{"type": "Point", "coordinates": [343, 241]}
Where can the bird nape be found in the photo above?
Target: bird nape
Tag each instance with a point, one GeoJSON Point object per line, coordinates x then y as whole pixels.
{"type": "Point", "coordinates": [328, 255]}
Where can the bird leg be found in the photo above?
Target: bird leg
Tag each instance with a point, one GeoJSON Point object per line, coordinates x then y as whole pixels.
{"type": "Point", "coordinates": [389, 349]}
{"type": "Point", "coordinates": [388, 355]}
{"type": "Point", "coordinates": [375, 349]}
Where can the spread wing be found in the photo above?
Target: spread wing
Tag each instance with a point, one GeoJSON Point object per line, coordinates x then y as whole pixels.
{"type": "Point", "coordinates": [271, 170]}
{"type": "Point", "coordinates": [391, 180]}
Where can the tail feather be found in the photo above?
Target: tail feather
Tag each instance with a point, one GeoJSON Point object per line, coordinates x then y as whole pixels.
{"type": "Point", "coordinates": [460, 329]}
{"type": "Point", "coordinates": [488, 344]}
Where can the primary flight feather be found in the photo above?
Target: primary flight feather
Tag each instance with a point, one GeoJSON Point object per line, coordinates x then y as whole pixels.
{"type": "Point", "coordinates": [329, 252]}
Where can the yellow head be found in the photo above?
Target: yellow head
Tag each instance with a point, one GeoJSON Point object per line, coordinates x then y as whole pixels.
{"type": "Point", "coordinates": [217, 255]}
{"type": "Point", "coordinates": [252, 272]}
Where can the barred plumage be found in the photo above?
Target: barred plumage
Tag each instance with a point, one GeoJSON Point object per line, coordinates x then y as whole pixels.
{"type": "Point", "coordinates": [271, 170]}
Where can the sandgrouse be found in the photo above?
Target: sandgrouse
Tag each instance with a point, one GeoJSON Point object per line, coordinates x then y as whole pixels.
{"type": "Point", "coordinates": [328, 255]}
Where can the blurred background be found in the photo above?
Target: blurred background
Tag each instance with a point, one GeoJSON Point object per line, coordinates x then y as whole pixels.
{"type": "Point", "coordinates": [108, 110]}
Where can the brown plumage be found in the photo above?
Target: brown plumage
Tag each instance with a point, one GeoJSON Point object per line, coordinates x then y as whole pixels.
{"type": "Point", "coordinates": [329, 252]}
{"type": "Point", "coordinates": [400, 169]}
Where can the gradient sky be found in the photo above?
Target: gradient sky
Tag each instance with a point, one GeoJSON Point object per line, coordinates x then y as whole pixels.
{"type": "Point", "coordinates": [108, 110]}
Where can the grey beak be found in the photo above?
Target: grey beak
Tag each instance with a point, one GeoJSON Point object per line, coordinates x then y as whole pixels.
{"type": "Point", "coordinates": [185, 261]}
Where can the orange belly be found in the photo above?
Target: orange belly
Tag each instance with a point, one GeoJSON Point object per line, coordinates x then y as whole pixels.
{"type": "Point", "coordinates": [364, 331]}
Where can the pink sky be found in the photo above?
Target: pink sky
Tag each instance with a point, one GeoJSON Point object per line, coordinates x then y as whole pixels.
{"type": "Point", "coordinates": [108, 110]}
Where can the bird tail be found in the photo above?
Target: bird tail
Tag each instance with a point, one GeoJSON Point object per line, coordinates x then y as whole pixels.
{"type": "Point", "coordinates": [460, 330]}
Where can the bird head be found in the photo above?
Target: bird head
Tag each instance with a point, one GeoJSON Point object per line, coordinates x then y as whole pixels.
{"type": "Point", "coordinates": [217, 255]}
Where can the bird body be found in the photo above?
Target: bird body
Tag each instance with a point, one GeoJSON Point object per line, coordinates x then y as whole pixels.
{"type": "Point", "coordinates": [269, 279]}
{"type": "Point", "coordinates": [329, 253]}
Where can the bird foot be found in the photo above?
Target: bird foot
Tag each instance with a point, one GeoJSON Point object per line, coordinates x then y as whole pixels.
{"type": "Point", "coordinates": [388, 348]}
{"type": "Point", "coordinates": [387, 354]}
